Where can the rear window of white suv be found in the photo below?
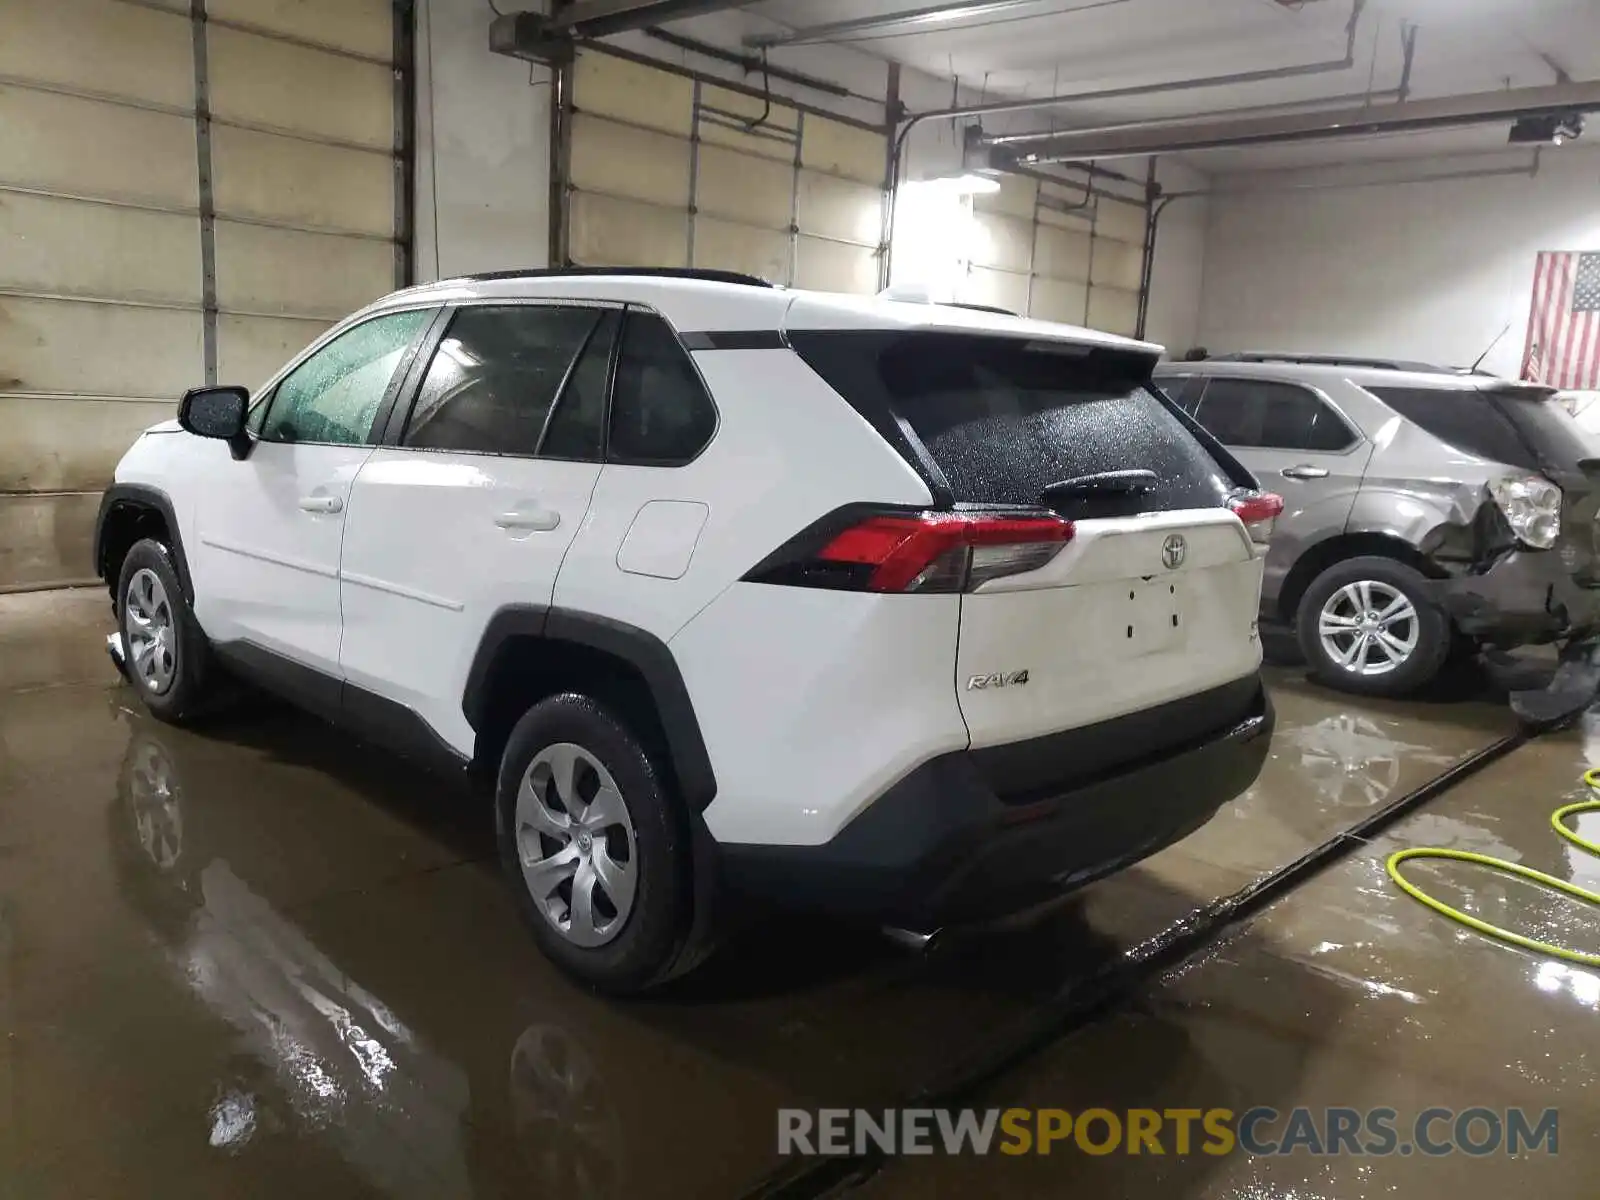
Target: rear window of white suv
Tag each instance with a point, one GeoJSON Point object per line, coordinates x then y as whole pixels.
{"type": "Point", "coordinates": [1003, 419]}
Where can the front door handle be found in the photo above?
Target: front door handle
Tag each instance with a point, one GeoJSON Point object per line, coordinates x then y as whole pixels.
{"type": "Point", "coordinates": [1304, 471]}
{"type": "Point", "coordinates": [533, 518]}
{"type": "Point", "coordinates": [321, 504]}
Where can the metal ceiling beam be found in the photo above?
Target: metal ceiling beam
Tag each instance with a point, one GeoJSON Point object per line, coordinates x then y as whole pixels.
{"type": "Point", "coordinates": [1413, 116]}
{"type": "Point", "coordinates": [545, 39]}
{"type": "Point", "coordinates": [599, 18]}
{"type": "Point", "coordinates": [1151, 89]}
{"type": "Point", "coordinates": [915, 20]}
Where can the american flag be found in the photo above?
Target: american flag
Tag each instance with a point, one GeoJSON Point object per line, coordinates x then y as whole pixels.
{"type": "Point", "coordinates": [1563, 348]}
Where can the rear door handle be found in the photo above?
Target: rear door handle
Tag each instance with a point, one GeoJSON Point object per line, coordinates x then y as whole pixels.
{"type": "Point", "coordinates": [1304, 471]}
{"type": "Point", "coordinates": [321, 504]}
{"type": "Point", "coordinates": [531, 518]}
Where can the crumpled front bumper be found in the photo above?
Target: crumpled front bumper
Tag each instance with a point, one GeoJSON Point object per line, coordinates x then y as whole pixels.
{"type": "Point", "coordinates": [1527, 597]}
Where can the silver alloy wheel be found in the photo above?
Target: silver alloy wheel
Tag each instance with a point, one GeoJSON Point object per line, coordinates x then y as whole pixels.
{"type": "Point", "coordinates": [152, 631]}
{"type": "Point", "coordinates": [576, 845]}
{"type": "Point", "coordinates": [1369, 628]}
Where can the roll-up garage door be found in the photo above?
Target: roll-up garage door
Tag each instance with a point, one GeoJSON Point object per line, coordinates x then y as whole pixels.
{"type": "Point", "coordinates": [1050, 251]}
{"type": "Point", "coordinates": [145, 250]}
{"type": "Point", "coordinates": [672, 171]}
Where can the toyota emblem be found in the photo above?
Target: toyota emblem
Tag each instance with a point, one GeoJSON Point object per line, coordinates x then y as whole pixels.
{"type": "Point", "coordinates": [1173, 550]}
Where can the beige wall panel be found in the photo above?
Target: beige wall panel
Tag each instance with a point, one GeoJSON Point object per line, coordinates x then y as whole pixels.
{"type": "Point", "coordinates": [608, 232]}
{"type": "Point", "coordinates": [97, 349]}
{"type": "Point", "coordinates": [843, 149]}
{"type": "Point", "coordinates": [89, 148]}
{"type": "Point", "coordinates": [1125, 222]}
{"type": "Point", "coordinates": [837, 208]}
{"type": "Point", "coordinates": [1003, 289]}
{"type": "Point", "coordinates": [751, 108]}
{"type": "Point", "coordinates": [632, 92]}
{"type": "Point", "coordinates": [774, 138]}
{"type": "Point", "coordinates": [730, 247]}
{"type": "Point", "coordinates": [251, 349]}
{"type": "Point", "coordinates": [279, 270]}
{"type": "Point", "coordinates": [1082, 222]}
{"type": "Point", "coordinates": [1059, 300]}
{"type": "Point", "coordinates": [99, 46]}
{"type": "Point", "coordinates": [1118, 264]}
{"type": "Point", "coordinates": [69, 445]}
{"type": "Point", "coordinates": [268, 82]}
{"type": "Point", "coordinates": [285, 179]}
{"type": "Point", "coordinates": [833, 267]}
{"type": "Point", "coordinates": [1015, 197]}
{"type": "Point", "coordinates": [624, 161]}
{"type": "Point", "coordinates": [71, 247]}
{"type": "Point", "coordinates": [748, 189]}
{"type": "Point", "coordinates": [47, 539]}
{"type": "Point", "coordinates": [1002, 242]}
{"type": "Point", "coordinates": [1062, 253]}
{"type": "Point", "coordinates": [364, 26]}
{"type": "Point", "coordinates": [1113, 310]}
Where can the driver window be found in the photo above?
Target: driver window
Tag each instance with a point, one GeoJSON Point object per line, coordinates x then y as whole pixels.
{"type": "Point", "coordinates": [332, 398]}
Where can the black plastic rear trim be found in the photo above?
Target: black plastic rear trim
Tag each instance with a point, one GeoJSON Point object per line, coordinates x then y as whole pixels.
{"type": "Point", "coordinates": [733, 339]}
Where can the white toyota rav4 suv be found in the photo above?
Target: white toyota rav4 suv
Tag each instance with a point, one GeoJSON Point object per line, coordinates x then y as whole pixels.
{"type": "Point", "coordinates": [896, 610]}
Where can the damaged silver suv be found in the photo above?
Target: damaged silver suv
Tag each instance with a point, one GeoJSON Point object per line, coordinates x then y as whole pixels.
{"type": "Point", "coordinates": [1425, 511]}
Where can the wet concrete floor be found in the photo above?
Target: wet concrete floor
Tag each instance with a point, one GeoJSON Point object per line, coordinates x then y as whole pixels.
{"type": "Point", "coordinates": [255, 959]}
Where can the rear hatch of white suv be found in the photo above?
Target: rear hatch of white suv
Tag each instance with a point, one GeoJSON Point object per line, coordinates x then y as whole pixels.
{"type": "Point", "coordinates": [1097, 537]}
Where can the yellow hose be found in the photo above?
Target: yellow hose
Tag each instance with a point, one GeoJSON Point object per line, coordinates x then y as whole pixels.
{"type": "Point", "coordinates": [1591, 779]}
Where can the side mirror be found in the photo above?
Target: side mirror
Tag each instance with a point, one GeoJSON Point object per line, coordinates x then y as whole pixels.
{"type": "Point", "coordinates": [217, 412]}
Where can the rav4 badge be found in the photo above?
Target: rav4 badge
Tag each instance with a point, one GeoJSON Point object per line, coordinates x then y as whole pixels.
{"type": "Point", "coordinates": [999, 679]}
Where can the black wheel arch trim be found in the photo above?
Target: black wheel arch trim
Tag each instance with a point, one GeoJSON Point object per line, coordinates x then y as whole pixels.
{"type": "Point", "coordinates": [141, 496]}
{"type": "Point", "coordinates": [642, 650]}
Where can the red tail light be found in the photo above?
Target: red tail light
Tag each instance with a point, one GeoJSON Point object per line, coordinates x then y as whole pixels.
{"type": "Point", "coordinates": [922, 552]}
{"type": "Point", "coordinates": [1259, 511]}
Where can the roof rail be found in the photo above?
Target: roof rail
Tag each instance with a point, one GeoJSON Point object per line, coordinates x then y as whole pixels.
{"type": "Point", "coordinates": [710, 276]}
{"type": "Point", "coordinates": [1330, 360]}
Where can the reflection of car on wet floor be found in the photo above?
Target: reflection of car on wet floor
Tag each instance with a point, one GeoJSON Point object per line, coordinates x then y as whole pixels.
{"type": "Point", "coordinates": [313, 1048]}
{"type": "Point", "coordinates": [1423, 508]}
{"type": "Point", "coordinates": [1354, 759]}
{"type": "Point", "coordinates": [895, 610]}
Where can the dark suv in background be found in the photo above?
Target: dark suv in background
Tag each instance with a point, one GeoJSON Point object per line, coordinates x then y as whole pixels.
{"type": "Point", "coordinates": [1424, 509]}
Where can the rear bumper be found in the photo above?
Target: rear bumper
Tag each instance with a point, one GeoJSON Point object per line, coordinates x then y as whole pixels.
{"type": "Point", "coordinates": [953, 842]}
{"type": "Point", "coordinates": [1525, 598]}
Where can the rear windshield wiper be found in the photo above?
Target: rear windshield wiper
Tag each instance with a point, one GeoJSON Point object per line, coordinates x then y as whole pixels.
{"type": "Point", "coordinates": [1103, 483]}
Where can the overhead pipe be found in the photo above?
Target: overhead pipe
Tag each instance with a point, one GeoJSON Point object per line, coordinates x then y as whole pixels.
{"type": "Point", "coordinates": [913, 20]}
{"type": "Point", "coordinates": [1408, 47]}
{"type": "Point", "coordinates": [1410, 116]}
{"type": "Point", "coordinates": [1040, 104]}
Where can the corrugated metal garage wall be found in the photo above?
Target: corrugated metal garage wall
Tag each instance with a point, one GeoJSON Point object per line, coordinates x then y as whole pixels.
{"type": "Point", "coordinates": [1042, 250]}
{"type": "Point", "coordinates": [665, 169]}
{"type": "Point", "coordinates": [140, 246]}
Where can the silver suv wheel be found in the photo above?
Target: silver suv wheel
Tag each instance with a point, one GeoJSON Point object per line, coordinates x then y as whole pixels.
{"type": "Point", "coordinates": [575, 840]}
{"type": "Point", "coordinates": [152, 631]}
{"type": "Point", "coordinates": [1368, 628]}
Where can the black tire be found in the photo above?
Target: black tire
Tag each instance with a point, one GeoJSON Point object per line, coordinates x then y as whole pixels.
{"type": "Point", "coordinates": [1434, 632]}
{"type": "Point", "coordinates": [655, 929]}
{"type": "Point", "coordinates": [189, 689]}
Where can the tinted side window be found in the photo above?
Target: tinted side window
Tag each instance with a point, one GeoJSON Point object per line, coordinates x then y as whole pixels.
{"type": "Point", "coordinates": [494, 377]}
{"type": "Point", "coordinates": [333, 397]}
{"type": "Point", "coordinates": [1279, 416]}
{"type": "Point", "coordinates": [1463, 418]}
{"type": "Point", "coordinates": [577, 427]}
{"type": "Point", "coordinates": [660, 413]}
